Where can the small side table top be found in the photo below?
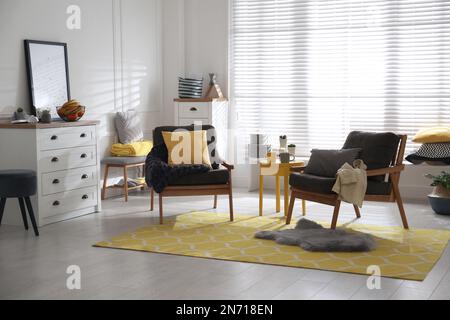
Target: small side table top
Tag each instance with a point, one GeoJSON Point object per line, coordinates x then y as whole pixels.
{"type": "Point", "coordinates": [269, 168]}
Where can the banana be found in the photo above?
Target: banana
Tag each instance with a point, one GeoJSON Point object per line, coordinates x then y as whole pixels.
{"type": "Point", "coordinates": [70, 106]}
{"type": "Point", "coordinates": [78, 109]}
{"type": "Point", "coordinates": [72, 102]}
{"type": "Point", "coordinates": [70, 110]}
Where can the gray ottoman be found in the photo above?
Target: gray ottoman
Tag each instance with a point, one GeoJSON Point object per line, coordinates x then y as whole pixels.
{"type": "Point", "coordinates": [20, 184]}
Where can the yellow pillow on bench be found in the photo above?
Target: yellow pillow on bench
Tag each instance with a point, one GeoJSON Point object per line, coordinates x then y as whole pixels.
{"type": "Point", "coordinates": [433, 135]}
{"type": "Point", "coordinates": [134, 149]}
{"type": "Point", "coordinates": [187, 147]}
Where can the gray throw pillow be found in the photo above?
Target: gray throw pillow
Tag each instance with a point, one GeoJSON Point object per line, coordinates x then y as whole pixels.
{"type": "Point", "coordinates": [128, 126]}
{"type": "Point", "coordinates": [326, 163]}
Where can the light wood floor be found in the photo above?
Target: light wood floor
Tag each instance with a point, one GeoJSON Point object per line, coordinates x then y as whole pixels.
{"type": "Point", "coordinates": [32, 268]}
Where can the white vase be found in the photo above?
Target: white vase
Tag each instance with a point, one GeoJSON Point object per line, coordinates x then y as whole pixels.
{"type": "Point", "coordinates": [283, 144]}
{"type": "Point", "coordinates": [291, 150]}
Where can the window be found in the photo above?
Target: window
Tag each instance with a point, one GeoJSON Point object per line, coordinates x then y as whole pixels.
{"type": "Point", "coordinates": [316, 70]}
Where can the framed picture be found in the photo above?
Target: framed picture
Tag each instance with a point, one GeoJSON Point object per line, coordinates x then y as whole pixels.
{"type": "Point", "coordinates": [48, 75]}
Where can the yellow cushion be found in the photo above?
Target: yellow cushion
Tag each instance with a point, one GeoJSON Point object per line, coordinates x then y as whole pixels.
{"type": "Point", "coordinates": [433, 135]}
{"type": "Point", "coordinates": [135, 149]}
{"type": "Point", "coordinates": [187, 147]}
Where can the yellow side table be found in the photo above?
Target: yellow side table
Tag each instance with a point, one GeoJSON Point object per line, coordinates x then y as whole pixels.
{"type": "Point", "coordinates": [272, 167]}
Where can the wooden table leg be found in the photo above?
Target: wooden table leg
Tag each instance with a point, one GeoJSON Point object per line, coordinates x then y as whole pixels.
{"type": "Point", "coordinates": [152, 199]}
{"type": "Point", "coordinates": [278, 191]}
{"type": "Point", "coordinates": [125, 186]}
{"type": "Point", "coordinates": [304, 207]}
{"type": "Point", "coordinates": [261, 192]}
{"type": "Point", "coordinates": [286, 195]}
{"type": "Point", "coordinates": [105, 182]}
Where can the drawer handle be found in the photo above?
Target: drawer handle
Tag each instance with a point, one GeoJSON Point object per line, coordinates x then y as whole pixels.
{"type": "Point", "coordinates": [54, 138]}
{"type": "Point", "coordinates": [84, 156]}
{"type": "Point", "coordinates": [84, 176]}
{"type": "Point", "coordinates": [194, 109]}
{"type": "Point", "coordinates": [56, 181]}
{"type": "Point", "coordinates": [83, 135]}
{"type": "Point", "coordinates": [56, 203]}
{"type": "Point", "coordinates": [55, 159]}
{"type": "Point", "coordinates": [85, 197]}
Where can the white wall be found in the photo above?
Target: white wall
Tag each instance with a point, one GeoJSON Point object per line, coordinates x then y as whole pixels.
{"type": "Point", "coordinates": [173, 58]}
{"type": "Point", "coordinates": [195, 43]}
{"type": "Point", "coordinates": [114, 60]}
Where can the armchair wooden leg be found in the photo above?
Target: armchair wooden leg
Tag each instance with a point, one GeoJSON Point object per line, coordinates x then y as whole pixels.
{"type": "Point", "coordinates": [215, 202]}
{"type": "Point", "coordinates": [230, 199]}
{"type": "Point", "coordinates": [337, 206]}
{"type": "Point", "coordinates": [152, 199]}
{"type": "Point", "coordinates": [161, 214]}
{"type": "Point", "coordinates": [357, 212]}
{"type": "Point", "coordinates": [105, 180]}
{"type": "Point", "coordinates": [261, 194]}
{"type": "Point", "coordinates": [398, 199]}
{"type": "Point", "coordinates": [291, 209]}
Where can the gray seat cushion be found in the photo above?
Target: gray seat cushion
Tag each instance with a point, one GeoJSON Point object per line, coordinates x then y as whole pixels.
{"type": "Point", "coordinates": [324, 185]}
{"type": "Point", "coordinates": [17, 183]}
{"type": "Point", "coordinates": [378, 188]}
{"type": "Point", "coordinates": [219, 176]}
{"type": "Point", "coordinates": [312, 183]}
{"type": "Point", "coordinates": [123, 160]}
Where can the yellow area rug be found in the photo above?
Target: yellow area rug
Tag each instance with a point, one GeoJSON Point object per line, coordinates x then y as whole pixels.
{"type": "Point", "coordinates": [400, 253]}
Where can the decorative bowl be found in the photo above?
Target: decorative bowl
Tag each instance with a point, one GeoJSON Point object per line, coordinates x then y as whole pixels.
{"type": "Point", "coordinates": [71, 114]}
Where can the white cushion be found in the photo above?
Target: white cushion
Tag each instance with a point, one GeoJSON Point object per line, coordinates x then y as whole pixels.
{"type": "Point", "coordinates": [128, 126]}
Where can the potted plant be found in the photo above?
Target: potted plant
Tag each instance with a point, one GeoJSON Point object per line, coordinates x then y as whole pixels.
{"type": "Point", "coordinates": [45, 116]}
{"type": "Point", "coordinates": [20, 114]}
{"type": "Point", "coordinates": [440, 198]}
{"type": "Point", "coordinates": [283, 142]}
{"type": "Point", "coordinates": [291, 149]}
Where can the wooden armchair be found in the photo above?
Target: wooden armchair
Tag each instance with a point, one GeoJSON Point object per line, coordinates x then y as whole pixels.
{"type": "Point", "coordinates": [215, 182]}
{"type": "Point", "coordinates": [383, 183]}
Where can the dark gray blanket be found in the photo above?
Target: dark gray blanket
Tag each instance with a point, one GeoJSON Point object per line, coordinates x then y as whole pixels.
{"type": "Point", "coordinates": [313, 237]}
{"type": "Point", "coordinates": [158, 172]}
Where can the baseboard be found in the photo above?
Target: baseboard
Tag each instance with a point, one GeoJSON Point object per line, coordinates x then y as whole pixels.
{"type": "Point", "coordinates": [415, 193]}
{"type": "Point", "coordinates": [240, 181]}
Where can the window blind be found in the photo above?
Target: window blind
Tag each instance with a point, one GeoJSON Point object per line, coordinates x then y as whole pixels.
{"type": "Point", "coordinates": [316, 70]}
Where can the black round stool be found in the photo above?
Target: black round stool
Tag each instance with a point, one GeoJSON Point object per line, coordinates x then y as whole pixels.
{"type": "Point", "coordinates": [20, 184]}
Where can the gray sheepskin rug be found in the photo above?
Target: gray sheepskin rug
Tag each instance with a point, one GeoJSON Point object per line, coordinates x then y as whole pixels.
{"type": "Point", "coordinates": [311, 236]}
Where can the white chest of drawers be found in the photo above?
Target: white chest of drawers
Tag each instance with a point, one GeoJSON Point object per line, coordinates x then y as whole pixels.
{"type": "Point", "coordinates": [65, 158]}
{"type": "Point", "coordinates": [207, 112]}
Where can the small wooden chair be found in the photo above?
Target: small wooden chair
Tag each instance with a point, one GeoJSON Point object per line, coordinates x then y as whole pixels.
{"type": "Point", "coordinates": [379, 191]}
{"type": "Point", "coordinates": [124, 163]}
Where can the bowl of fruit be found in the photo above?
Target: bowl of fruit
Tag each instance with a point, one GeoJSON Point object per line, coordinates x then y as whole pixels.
{"type": "Point", "coordinates": [71, 111]}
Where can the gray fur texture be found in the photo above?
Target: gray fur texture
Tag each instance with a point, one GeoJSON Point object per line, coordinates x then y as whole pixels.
{"type": "Point", "coordinates": [311, 236]}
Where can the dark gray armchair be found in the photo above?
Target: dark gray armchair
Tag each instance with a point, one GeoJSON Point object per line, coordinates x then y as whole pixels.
{"type": "Point", "coordinates": [214, 182]}
{"type": "Point", "coordinates": [383, 154]}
